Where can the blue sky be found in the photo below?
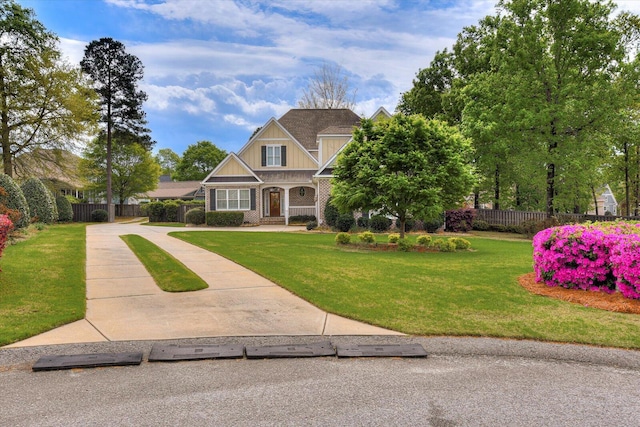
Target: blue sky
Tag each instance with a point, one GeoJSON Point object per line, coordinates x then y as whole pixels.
{"type": "Point", "coordinates": [217, 69]}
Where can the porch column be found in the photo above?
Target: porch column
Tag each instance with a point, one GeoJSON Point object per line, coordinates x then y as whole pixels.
{"type": "Point", "coordinates": [286, 206]}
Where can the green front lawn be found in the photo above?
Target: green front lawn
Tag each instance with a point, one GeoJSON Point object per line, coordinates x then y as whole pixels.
{"type": "Point", "coordinates": [42, 282]}
{"type": "Point", "coordinates": [169, 274]}
{"type": "Point", "coordinates": [465, 293]}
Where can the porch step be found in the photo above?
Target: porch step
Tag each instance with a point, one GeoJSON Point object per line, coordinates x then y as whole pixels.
{"type": "Point", "coordinates": [278, 220]}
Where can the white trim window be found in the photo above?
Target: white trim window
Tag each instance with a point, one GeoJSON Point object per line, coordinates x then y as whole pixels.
{"type": "Point", "coordinates": [274, 157]}
{"type": "Point", "coordinates": [233, 200]}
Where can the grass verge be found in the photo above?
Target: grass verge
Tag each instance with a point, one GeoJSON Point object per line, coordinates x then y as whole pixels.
{"type": "Point", "coordinates": [473, 293]}
{"type": "Point", "coordinates": [42, 282]}
{"type": "Point", "coordinates": [169, 273]}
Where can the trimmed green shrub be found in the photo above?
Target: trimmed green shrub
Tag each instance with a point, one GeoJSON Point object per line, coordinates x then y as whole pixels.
{"type": "Point", "coordinates": [345, 222]}
{"type": "Point", "coordinates": [432, 225]}
{"type": "Point", "coordinates": [171, 211]}
{"type": "Point", "coordinates": [195, 216]}
{"type": "Point", "coordinates": [405, 245]}
{"type": "Point", "coordinates": [156, 211]}
{"type": "Point", "coordinates": [65, 210]}
{"type": "Point", "coordinates": [13, 203]}
{"type": "Point", "coordinates": [379, 223]}
{"type": "Point", "coordinates": [225, 219]}
{"type": "Point", "coordinates": [362, 222]}
{"type": "Point", "coordinates": [409, 224]}
{"type": "Point", "coordinates": [39, 201]}
{"type": "Point", "coordinates": [444, 245]}
{"type": "Point", "coordinates": [480, 225]}
{"type": "Point", "coordinates": [423, 240]}
{"type": "Point", "coordinates": [532, 227]}
{"type": "Point", "coordinates": [460, 243]}
{"type": "Point", "coordinates": [331, 214]}
{"type": "Point", "coordinates": [312, 225]}
{"type": "Point", "coordinates": [343, 238]}
{"type": "Point", "coordinates": [99, 215]}
{"type": "Point", "coordinates": [367, 237]}
{"type": "Point", "coordinates": [301, 219]}
{"type": "Point", "coordinates": [393, 238]}
{"type": "Point", "coordinates": [144, 209]}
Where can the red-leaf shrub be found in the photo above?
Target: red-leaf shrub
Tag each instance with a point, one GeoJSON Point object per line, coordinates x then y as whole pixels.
{"type": "Point", "coordinates": [6, 226]}
{"type": "Point", "coordinates": [459, 220]}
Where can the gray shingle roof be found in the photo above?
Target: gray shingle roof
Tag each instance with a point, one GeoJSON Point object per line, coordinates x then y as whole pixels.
{"type": "Point", "coordinates": [305, 124]}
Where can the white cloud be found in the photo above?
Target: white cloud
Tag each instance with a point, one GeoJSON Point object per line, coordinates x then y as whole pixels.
{"type": "Point", "coordinates": [193, 101]}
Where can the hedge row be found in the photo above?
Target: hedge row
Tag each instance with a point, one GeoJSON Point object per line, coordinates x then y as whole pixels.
{"type": "Point", "coordinates": [224, 219]}
{"type": "Point", "coordinates": [598, 257]}
{"type": "Point", "coordinates": [13, 203]}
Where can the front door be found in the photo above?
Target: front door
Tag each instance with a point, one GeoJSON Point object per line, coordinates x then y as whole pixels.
{"type": "Point", "coordinates": [274, 203]}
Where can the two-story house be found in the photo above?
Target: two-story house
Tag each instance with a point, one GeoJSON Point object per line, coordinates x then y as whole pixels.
{"type": "Point", "coordinates": [285, 169]}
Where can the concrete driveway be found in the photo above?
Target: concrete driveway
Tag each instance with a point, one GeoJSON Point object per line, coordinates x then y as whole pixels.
{"type": "Point", "coordinates": [123, 302]}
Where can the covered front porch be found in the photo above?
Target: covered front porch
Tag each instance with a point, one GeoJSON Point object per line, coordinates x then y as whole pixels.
{"type": "Point", "coordinates": [281, 202]}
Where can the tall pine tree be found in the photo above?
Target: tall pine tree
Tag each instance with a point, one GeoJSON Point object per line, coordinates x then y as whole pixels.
{"type": "Point", "coordinates": [116, 74]}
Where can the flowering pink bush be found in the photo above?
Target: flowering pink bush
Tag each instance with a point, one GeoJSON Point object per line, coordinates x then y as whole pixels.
{"type": "Point", "coordinates": [625, 265]}
{"type": "Point", "coordinates": [596, 257]}
{"type": "Point", "coordinates": [6, 226]}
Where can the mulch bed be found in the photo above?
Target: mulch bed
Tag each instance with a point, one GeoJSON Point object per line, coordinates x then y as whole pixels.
{"type": "Point", "coordinates": [601, 300]}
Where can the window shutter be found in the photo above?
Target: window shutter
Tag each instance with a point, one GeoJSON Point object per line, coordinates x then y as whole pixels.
{"type": "Point", "coordinates": [264, 155]}
{"type": "Point", "coordinates": [253, 199]}
{"type": "Point", "coordinates": [212, 197]}
{"type": "Point", "coordinates": [283, 155]}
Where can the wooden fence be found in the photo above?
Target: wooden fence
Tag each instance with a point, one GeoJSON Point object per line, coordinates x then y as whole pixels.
{"type": "Point", "coordinates": [499, 217]}
{"type": "Point", "coordinates": [82, 211]}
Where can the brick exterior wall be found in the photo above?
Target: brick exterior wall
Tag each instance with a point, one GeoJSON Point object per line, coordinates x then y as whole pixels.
{"type": "Point", "coordinates": [251, 216]}
{"type": "Point", "coordinates": [324, 191]}
{"type": "Point", "coordinates": [295, 199]}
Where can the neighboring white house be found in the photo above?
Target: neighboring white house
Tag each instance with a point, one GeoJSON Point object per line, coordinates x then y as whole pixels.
{"type": "Point", "coordinates": [607, 203]}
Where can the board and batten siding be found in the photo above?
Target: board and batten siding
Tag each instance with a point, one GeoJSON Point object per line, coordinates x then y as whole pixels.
{"type": "Point", "coordinates": [330, 145]}
{"type": "Point", "coordinates": [296, 157]}
{"type": "Point", "coordinates": [232, 168]}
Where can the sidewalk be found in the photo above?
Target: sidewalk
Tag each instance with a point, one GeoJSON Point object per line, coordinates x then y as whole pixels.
{"type": "Point", "coordinates": [124, 304]}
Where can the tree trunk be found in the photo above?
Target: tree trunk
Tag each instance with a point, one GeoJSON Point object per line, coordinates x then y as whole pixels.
{"type": "Point", "coordinates": [496, 194]}
{"type": "Point", "coordinates": [626, 178]}
{"type": "Point", "coordinates": [595, 198]}
{"type": "Point", "coordinates": [636, 192]}
{"type": "Point", "coordinates": [403, 221]}
{"type": "Point", "coordinates": [4, 133]}
{"type": "Point", "coordinates": [476, 198]}
{"type": "Point", "coordinates": [551, 176]}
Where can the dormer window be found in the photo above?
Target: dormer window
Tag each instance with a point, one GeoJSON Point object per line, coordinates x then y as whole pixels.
{"type": "Point", "coordinates": [274, 155]}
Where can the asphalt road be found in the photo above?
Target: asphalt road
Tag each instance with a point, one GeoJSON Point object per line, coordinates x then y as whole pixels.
{"type": "Point", "coordinates": [463, 382]}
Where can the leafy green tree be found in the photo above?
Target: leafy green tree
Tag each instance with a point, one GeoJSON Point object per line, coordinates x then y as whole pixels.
{"type": "Point", "coordinates": [41, 205]}
{"type": "Point", "coordinates": [115, 74]}
{"type": "Point", "coordinates": [550, 89]}
{"type": "Point", "coordinates": [168, 160]}
{"type": "Point", "coordinates": [198, 160]}
{"type": "Point", "coordinates": [44, 102]}
{"type": "Point", "coordinates": [404, 167]}
{"type": "Point", "coordinates": [135, 171]}
{"type": "Point", "coordinates": [430, 86]}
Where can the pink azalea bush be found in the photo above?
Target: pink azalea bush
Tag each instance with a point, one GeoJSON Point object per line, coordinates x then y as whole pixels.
{"type": "Point", "coordinates": [625, 264]}
{"type": "Point", "coordinates": [6, 226]}
{"type": "Point", "coordinates": [597, 257]}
